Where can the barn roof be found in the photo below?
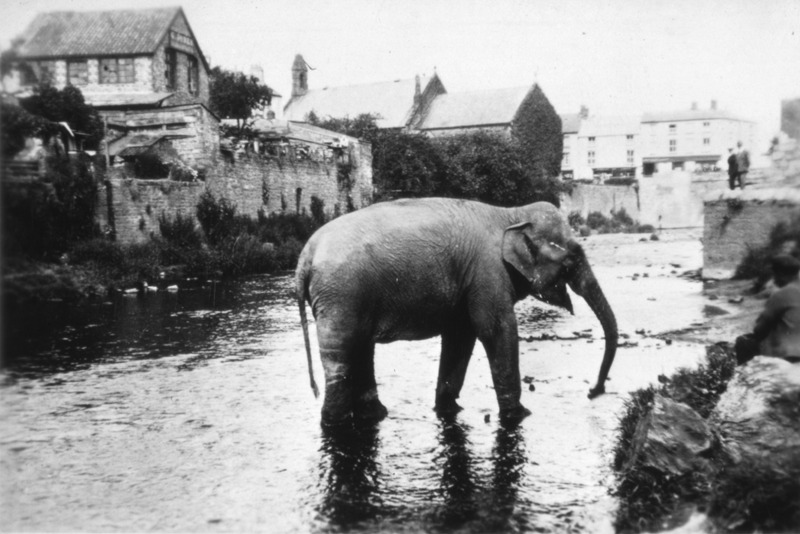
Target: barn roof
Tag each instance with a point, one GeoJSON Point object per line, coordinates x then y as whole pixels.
{"type": "Point", "coordinates": [475, 108]}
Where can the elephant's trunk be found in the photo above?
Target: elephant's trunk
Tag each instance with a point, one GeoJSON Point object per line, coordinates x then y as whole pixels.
{"type": "Point", "coordinates": [585, 284]}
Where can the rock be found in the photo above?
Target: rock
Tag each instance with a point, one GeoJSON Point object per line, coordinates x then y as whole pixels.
{"type": "Point", "coordinates": [653, 237]}
{"type": "Point", "coordinates": [531, 387]}
{"type": "Point", "coordinates": [671, 439]}
{"type": "Point", "coordinates": [758, 416]}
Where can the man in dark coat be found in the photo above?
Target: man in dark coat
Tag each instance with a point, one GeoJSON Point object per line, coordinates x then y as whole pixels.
{"type": "Point", "coordinates": [742, 164]}
{"type": "Point", "coordinates": [733, 169]}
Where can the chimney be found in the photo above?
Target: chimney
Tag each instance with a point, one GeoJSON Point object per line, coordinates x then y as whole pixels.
{"type": "Point", "coordinates": [584, 112]}
{"type": "Point", "coordinates": [714, 104]}
{"type": "Point", "coordinates": [299, 76]}
{"type": "Point", "coordinates": [694, 106]}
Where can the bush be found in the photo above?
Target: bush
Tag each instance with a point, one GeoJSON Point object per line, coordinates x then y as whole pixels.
{"type": "Point", "coordinates": [180, 231]}
{"type": "Point", "coordinates": [619, 222]}
{"type": "Point", "coordinates": [575, 219]}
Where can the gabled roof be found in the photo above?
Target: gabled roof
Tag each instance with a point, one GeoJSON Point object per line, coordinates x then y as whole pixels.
{"type": "Point", "coordinates": [475, 108]}
{"type": "Point", "coordinates": [570, 122]}
{"type": "Point", "coordinates": [602, 125]}
{"type": "Point", "coordinates": [392, 101]}
{"type": "Point", "coordinates": [61, 34]}
{"type": "Point", "coordinates": [689, 115]}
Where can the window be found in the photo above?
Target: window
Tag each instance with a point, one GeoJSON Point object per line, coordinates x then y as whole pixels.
{"type": "Point", "coordinates": [673, 129]}
{"type": "Point", "coordinates": [706, 140]}
{"type": "Point", "coordinates": [590, 157]}
{"type": "Point", "coordinates": [591, 141]}
{"type": "Point", "coordinates": [46, 72]}
{"type": "Point", "coordinates": [193, 74]}
{"type": "Point", "coordinates": [673, 145]}
{"type": "Point", "coordinates": [78, 72]}
{"type": "Point", "coordinates": [566, 158]}
{"type": "Point", "coordinates": [706, 124]}
{"type": "Point", "coordinates": [117, 70]}
{"type": "Point", "coordinates": [630, 157]}
{"type": "Point", "coordinates": [629, 137]}
{"type": "Point", "coordinates": [172, 68]}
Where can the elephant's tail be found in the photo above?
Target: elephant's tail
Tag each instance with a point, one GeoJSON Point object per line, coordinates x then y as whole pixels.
{"type": "Point", "coordinates": [301, 301]}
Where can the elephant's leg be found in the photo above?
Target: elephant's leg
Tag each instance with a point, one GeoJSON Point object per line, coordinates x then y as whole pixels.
{"type": "Point", "coordinates": [457, 346]}
{"type": "Point", "coordinates": [502, 349]}
{"type": "Point", "coordinates": [367, 405]}
{"type": "Point", "coordinates": [336, 352]}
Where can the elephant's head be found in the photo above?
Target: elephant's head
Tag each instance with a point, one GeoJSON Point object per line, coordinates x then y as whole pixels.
{"type": "Point", "coordinates": [545, 254]}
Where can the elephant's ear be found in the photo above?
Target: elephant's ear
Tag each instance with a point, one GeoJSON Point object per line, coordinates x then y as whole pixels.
{"type": "Point", "coordinates": [519, 250]}
{"type": "Point", "coordinates": [524, 248]}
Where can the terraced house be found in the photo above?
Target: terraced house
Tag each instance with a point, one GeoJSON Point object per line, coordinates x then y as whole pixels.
{"type": "Point", "coordinates": [142, 69]}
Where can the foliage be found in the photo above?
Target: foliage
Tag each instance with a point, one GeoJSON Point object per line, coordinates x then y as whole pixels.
{"type": "Point", "coordinates": [646, 495]}
{"type": "Point", "coordinates": [363, 126]}
{"type": "Point", "coordinates": [9, 62]}
{"type": "Point", "coordinates": [180, 231]}
{"type": "Point", "coordinates": [45, 219]}
{"type": "Point", "coordinates": [66, 105]}
{"type": "Point", "coordinates": [405, 165]}
{"type": "Point", "coordinates": [217, 217]}
{"type": "Point", "coordinates": [619, 222]}
{"type": "Point", "coordinates": [575, 219]}
{"type": "Point", "coordinates": [234, 95]}
{"type": "Point", "coordinates": [538, 131]}
{"type": "Point", "coordinates": [783, 238]}
{"type": "Point", "coordinates": [20, 125]}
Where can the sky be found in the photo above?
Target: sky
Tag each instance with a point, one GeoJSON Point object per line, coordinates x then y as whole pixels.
{"type": "Point", "coordinates": [617, 57]}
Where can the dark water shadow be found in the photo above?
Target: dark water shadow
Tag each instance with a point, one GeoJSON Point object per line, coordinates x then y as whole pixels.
{"type": "Point", "coordinates": [470, 496]}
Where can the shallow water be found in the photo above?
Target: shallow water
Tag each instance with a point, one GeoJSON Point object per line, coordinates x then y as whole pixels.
{"type": "Point", "coordinates": [192, 412]}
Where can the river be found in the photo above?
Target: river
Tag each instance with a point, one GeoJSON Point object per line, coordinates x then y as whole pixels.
{"type": "Point", "coordinates": [191, 411]}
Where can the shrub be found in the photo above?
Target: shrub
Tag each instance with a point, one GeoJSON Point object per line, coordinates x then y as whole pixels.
{"type": "Point", "coordinates": [216, 217]}
{"type": "Point", "coordinates": [575, 219]}
{"type": "Point", "coordinates": [180, 231]}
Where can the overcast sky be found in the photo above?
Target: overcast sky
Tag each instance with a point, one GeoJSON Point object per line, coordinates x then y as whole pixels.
{"type": "Point", "coordinates": [618, 57]}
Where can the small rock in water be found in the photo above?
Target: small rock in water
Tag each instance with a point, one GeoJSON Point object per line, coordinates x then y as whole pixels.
{"type": "Point", "coordinates": [531, 387]}
{"type": "Point", "coordinates": [487, 418]}
{"type": "Point", "coordinates": [528, 379]}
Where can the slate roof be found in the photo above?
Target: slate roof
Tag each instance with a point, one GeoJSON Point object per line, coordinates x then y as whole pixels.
{"type": "Point", "coordinates": [61, 34]}
{"type": "Point", "coordinates": [393, 101]}
{"type": "Point", "coordinates": [689, 115]}
{"type": "Point", "coordinates": [474, 108]}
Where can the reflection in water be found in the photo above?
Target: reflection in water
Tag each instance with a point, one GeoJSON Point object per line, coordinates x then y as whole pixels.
{"type": "Point", "coordinates": [351, 478]}
{"type": "Point", "coordinates": [350, 475]}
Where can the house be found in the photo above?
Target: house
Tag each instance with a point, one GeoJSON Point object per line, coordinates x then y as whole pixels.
{"type": "Point", "coordinates": [607, 147]}
{"type": "Point", "coordinates": [143, 70]}
{"type": "Point", "coordinates": [396, 103]}
{"type": "Point", "coordinates": [570, 126]}
{"type": "Point", "coordinates": [692, 140]}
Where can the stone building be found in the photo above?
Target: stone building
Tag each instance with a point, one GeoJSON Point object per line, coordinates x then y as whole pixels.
{"type": "Point", "coordinates": [143, 70]}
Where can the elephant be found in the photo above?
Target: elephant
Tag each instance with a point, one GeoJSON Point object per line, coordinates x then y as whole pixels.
{"type": "Point", "coordinates": [414, 269]}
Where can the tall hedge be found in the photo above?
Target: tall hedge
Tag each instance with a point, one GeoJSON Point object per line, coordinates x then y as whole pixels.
{"type": "Point", "coordinates": [537, 127]}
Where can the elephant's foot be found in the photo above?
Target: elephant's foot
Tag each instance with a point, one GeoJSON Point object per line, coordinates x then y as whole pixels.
{"type": "Point", "coordinates": [369, 408]}
{"type": "Point", "coordinates": [514, 415]}
{"type": "Point", "coordinates": [596, 391]}
{"type": "Point", "coordinates": [446, 406]}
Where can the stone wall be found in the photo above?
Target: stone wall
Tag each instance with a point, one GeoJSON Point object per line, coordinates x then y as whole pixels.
{"type": "Point", "coordinates": [737, 221]}
{"type": "Point", "coordinates": [667, 201]}
{"type": "Point", "coordinates": [132, 207]}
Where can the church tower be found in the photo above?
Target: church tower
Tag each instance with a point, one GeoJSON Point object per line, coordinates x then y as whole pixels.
{"type": "Point", "coordinates": [299, 76]}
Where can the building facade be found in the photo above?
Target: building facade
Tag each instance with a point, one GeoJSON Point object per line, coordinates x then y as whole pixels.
{"type": "Point", "coordinates": [693, 140]}
{"type": "Point", "coordinates": [143, 70]}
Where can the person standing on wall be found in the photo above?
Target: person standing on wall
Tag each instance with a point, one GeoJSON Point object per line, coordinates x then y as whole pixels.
{"type": "Point", "coordinates": [733, 169]}
{"type": "Point", "coordinates": [742, 164]}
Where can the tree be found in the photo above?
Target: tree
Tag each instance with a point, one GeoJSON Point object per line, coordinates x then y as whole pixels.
{"type": "Point", "coordinates": [234, 96]}
{"type": "Point", "coordinates": [66, 105]}
{"type": "Point", "coordinates": [537, 128]}
{"type": "Point", "coordinates": [363, 126]}
{"type": "Point", "coordinates": [10, 62]}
